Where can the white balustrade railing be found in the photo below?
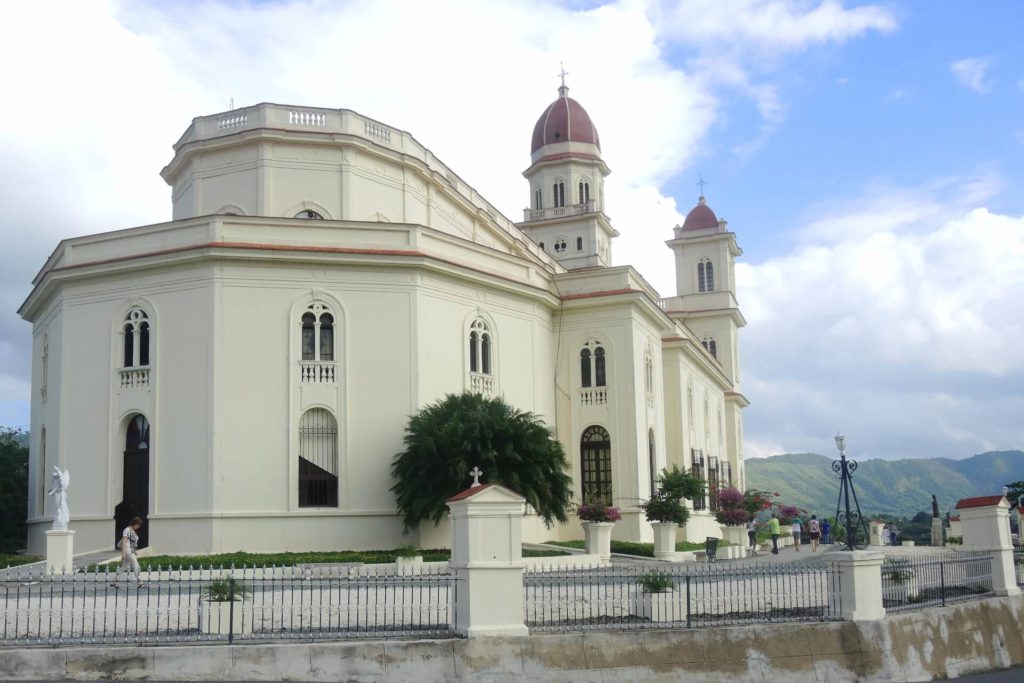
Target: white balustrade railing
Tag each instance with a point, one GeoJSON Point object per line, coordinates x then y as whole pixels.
{"type": "Point", "coordinates": [558, 211]}
{"type": "Point", "coordinates": [307, 118]}
{"type": "Point", "coordinates": [233, 120]}
{"type": "Point", "coordinates": [593, 396]}
{"type": "Point", "coordinates": [480, 383]}
{"type": "Point", "coordinates": [134, 377]}
{"type": "Point", "coordinates": [317, 372]}
{"type": "Point", "coordinates": [375, 130]}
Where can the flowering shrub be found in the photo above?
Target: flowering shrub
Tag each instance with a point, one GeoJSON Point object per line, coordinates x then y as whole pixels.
{"type": "Point", "coordinates": [754, 501]}
{"type": "Point", "coordinates": [787, 513]}
{"type": "Point", "coordinates": [731, 509]}
{"type": "Point", "coordinates": [598, 512]}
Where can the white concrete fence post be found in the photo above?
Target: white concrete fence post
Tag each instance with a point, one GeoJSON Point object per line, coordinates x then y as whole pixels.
{"type": "Point", "coordinates": [986, 528]}
{"type": "Point", "coordinates": [487, 558]}
{"type": "Point", "coordinates": [856, 590]}
{"type": "Point", "coordinates": [60, 551]}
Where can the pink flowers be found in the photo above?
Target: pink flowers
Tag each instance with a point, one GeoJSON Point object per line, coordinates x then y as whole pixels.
{"type": "Point", "coordinates": [598, 512]}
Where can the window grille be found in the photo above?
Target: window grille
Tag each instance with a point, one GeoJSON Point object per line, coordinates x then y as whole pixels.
{"type": "Point", "coordinates": [318, 459]}
{"type": "Point", "coordinates": [596, 461]}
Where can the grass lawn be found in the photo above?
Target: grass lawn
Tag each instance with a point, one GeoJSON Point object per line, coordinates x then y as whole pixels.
{"type": "Point", "coordinates": [240, 559]}
{"type": "Point", "coordinates": [11, 560]}
{"type": "Point", "coordinates": [638, 549]}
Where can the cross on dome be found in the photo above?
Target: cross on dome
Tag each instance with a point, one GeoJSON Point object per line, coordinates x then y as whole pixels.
{"type": "Point", "coordinates": [563, 89]}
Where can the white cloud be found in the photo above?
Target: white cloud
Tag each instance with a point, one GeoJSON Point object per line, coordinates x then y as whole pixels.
{"type": "Point", "coordinates": [972, 73]}
{"type": "Point", "coordinates": [896, 315]}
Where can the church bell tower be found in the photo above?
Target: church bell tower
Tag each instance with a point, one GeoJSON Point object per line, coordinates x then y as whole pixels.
{"type": "Point", "coordinates": [566, 175]}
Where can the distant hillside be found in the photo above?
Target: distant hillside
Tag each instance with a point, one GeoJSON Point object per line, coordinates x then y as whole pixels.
{"type": "Point", "coordinates": [897, 487]}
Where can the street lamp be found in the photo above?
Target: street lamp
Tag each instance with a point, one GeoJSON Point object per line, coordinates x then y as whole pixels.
{"type": "Point", "coordinates": [849, 518]}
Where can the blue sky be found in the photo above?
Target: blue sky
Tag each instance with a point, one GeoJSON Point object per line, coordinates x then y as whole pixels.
{"type": "Point", "coordinates": [867, 155]}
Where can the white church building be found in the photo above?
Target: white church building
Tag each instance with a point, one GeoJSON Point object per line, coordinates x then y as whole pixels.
{"type": "Point", "coordinates": [242, 375]}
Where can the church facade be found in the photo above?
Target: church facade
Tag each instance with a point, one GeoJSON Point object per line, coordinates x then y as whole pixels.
{"type": "Point", "coordinates": [241, 376]}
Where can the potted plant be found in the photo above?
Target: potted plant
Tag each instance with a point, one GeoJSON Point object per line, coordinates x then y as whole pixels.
{"type": "Point", "coordinates": [220, 609]}
{"type": "Point", "coordinates": [408, 559]}
{"type": "Point", "coordinates": [665, 510]}
{"type": "Point", "coordinates": [732, 514]}
{"type": "Point", "coordinates": [657, 598]}
{"type": "Point", "coordinates": [598, 518]}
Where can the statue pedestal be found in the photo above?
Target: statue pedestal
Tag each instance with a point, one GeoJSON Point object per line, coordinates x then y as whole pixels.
{"type": "Point", "coordinates": [60, 547]}
{"type": "Point", "coordinates": [937, 539]}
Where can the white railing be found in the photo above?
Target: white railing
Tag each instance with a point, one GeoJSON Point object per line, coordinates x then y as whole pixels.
{"type": "Point", "coordinates": [593, 396]}
{"type": "Point", "coordinates": [134, 377]}
{"type": "Point", "coordinates": [662, 303]}
{"type": "Point", "coordinates": [307, 118]}
{"type": "Point", "coordinates": [375, 130]}
{"type": "Point", "coordinates": [480, 383]}
{"type": "Point", "coordinates": [559, 211]}
{"type": "Point", "coordinates": [317, 372]}
{"type": "Point", "coordinates": [233, 120]}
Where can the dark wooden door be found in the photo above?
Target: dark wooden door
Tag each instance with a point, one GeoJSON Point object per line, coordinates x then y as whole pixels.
{"type": "Point", "coordinates": [135, 486]}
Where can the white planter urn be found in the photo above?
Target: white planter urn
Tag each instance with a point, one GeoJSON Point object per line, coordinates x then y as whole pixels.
{"type": "Point", "coordinates": [664, 540]}
{"type": "Point", "coordinates": [222, 618]}
{"type": "Point", "coordinates": [660, 607]}
{"type": "Point", "coordinates": [409, 565]}
{"type": "Point", "coordinates": [598, 538]}
{"type": "Point", "coordinates": [737, 538]}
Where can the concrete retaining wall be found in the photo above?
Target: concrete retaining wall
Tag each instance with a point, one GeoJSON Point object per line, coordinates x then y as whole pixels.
{"type": "Point", "coordinates": [938, 643]}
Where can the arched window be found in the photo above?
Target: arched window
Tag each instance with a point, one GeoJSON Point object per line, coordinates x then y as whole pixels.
{"type": "Point", "coordinates": [480, 347]}
{"type": "Point", "coordinates": [596, 465]}
{"type": "Point", "coordinates": [709, 344]}
{"type": "Point", "coordinates": [309, 214]}
{"type": "Point", "coordinates": [538, 199]}
{"type": "Point", "coordinates": [559, 193]}
{"type": "Point", "coordinates": [584, 191]}
{"type": "Point", "coordinates": [317, 329]}
{"type": "Point", "coordinates": [136, 333]}
{"type": "Point", "coordinates": [648, 370]}
{"type": "Point", "coordinates": [592, 365]}
{"type": "Point", "coordinates": [689, 402]}
{"type": "Point", "coordinates": [318, 459]}
{"type": "Point", "coordinates": [579, 244]}
{"type": "Point", "coordinates": [542, 246]}
{"type": "Point", "coordinates": [705, 276]}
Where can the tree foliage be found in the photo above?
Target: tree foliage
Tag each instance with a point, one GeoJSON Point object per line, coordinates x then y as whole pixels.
{"type": "Point", "coordinates": [13, 490]}
{"type": "Point", "coordinates": [665, 504]}
{"type": "Point", "coordinates": [1014, 493]}
{"type": "Point", "coordinates": [447, 439]}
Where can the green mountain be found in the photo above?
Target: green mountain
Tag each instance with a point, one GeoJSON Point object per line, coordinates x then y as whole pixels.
{"type": "Point", "coordinates": [896, 487]}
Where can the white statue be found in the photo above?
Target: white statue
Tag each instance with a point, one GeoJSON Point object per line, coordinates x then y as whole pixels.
{"type": "Point", "coordinates": [59, 488]}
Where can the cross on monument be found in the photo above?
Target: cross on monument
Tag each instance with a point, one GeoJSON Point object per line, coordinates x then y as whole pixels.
{"type": "Point", "coordinates": [476, 474]}
{"type": "Point", "coordinates": [563, 73]}
{"type": "Point", "coordinates": [702, 183]}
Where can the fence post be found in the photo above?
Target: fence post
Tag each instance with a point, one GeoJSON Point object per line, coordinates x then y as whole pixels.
{"type": "Point", "coordinates": [986, 528]}
{"type": "Point", "coordinates": [855, 590]}
{"type": "Point", "coordinates": [60, 551]}
{"type": "Point", "coordinates": [487, 558]}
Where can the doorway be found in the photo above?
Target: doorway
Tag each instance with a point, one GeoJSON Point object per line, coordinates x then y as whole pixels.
{"type": "Point", "coordinates": [135, 480]}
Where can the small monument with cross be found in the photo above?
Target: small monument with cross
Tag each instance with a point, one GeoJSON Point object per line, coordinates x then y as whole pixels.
{"type": "Point", "coordinates": [476, 473]}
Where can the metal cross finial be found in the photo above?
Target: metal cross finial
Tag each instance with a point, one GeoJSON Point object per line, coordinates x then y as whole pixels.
{"type": "Point", "coordinates": [563, 73]}
{"type": "Point", "coordinates": [702, 183]}
{"type": "Point", "coordinates": [476, 473]}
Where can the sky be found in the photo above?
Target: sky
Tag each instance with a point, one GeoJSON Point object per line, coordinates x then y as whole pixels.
{"type": "Point", "coordinates": [868, 156]}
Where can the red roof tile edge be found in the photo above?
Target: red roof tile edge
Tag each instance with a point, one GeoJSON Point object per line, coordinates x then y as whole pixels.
{"type": "Point", "coordinates": [978, 502]}
{"type": "Point", "coordinates": [471, 491]}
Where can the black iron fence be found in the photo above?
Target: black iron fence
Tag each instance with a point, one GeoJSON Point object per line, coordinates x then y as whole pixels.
{"type": "Point", "coordinates": [910, 582]}
{"type": "Point", "coordinates": [685, 596]}
{"type": "Point", "coordinates": [225, 604]}
{"type": "Point", "coordinates": [1018, 565]}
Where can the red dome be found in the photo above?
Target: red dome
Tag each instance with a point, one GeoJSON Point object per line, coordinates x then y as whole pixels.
{"type": "Point", "coordinates": [565, 120]}
{"type": "Point", "coordinates": [700, 217]}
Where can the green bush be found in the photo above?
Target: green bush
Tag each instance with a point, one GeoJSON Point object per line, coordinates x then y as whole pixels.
{"type": "Point", "coordinates": [13, 490]}
{"type": "Point", "coordinates": [224, 590]}
{"type": "Point", "coordinates": [656, 582]}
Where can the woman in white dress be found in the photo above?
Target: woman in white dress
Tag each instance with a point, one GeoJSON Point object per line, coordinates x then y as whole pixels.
{"type": "Point", "coordinates": [129, 544]}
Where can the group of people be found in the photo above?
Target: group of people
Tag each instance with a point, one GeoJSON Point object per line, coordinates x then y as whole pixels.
{"type": "Point", "coordinates": [819, 531]}
{"type": "Point", "coordinates": [891, 535]}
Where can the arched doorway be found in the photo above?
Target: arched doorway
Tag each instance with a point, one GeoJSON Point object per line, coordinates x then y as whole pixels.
{"type": "Point", "coordinates": [596, 471]}
{"type": "Point", "coordinates": [135, 479]}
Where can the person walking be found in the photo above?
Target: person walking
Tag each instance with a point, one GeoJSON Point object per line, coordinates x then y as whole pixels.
{"type": "Point", "coordinates": [752, 535]}
{"type": "Point", "coordinates": [774, 529]}
{"type": "Point", "coordinates": [798, 531]}
{"type": "Point", "coordinates": [814, 527]}
{"type": "Point", "coordinates": [129, 544]}
{"type": "Point", "coordinates": [826, 532]}
{"type": "Point", "coordinates": [885, 535]}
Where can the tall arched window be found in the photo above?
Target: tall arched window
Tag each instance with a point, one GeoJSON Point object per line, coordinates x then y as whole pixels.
{"type": "Point", "coordinates": [479, 347]}
{"type": "Point", "coordinates": [136, 339]}
{"type": "Point", "coordinates": [318, 459]}
{"type": "Point", "coordinates": [652, 461]}
{"type": "Point", "coordinates": [559, 193]}
{"type": "Point", "coordinates": [317, 329]}
{"type": "Point", "coordinates": [579, 244]}
{"type": "Point", "coordinates": [538, 199]}
{"type": "Point", "coordinates": [705, 276]}
{"type": "Point", "coordinates": [596, 465]}
{"type": "Point", "coordinates": [648, 370]}
{"type": "Point", "coordinates": [584, 191]}
{"type": "Point", "coordinates": [592, 365]}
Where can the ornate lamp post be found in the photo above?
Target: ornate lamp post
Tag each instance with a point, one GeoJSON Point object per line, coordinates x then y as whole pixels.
{"type": "Point", "coordinates": [850, 519]}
